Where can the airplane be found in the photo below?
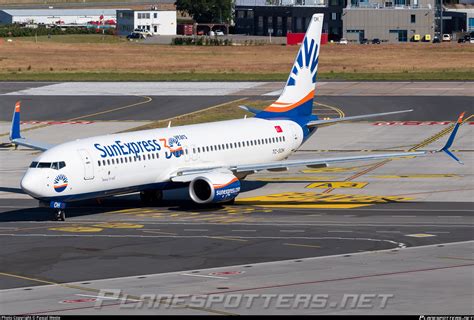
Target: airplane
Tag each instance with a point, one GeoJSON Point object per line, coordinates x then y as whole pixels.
{"type": "Point", "coordinates": [209, 159]}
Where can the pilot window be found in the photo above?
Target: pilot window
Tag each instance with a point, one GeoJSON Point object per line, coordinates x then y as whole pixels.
{"type": "Point", "coordinates": [34, 164]}
{"type": "Point", "coordinates": [44, 165]}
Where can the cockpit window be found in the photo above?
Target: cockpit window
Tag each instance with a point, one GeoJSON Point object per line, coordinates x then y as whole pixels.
{"type": "Point", "coordinates": [44, 165]}
{"type": "Point", "coordinates": [52, 165]}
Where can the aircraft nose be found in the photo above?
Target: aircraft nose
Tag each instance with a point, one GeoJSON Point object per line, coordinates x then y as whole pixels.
{"type": "Point", "coordinates": [30, 185]}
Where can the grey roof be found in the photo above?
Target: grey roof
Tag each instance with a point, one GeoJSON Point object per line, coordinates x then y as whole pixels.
{"type": "Point", "coordinates": [60, 12]}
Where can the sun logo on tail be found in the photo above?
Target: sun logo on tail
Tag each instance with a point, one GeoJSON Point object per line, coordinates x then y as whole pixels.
{"type": "Point", "coordinates": [306, 63]}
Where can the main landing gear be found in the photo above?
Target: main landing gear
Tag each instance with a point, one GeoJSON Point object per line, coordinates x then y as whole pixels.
{"type": "Point", "coordinates": [150, 197]}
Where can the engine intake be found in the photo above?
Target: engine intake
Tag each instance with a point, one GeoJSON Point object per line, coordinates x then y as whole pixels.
{"type": "Point", "coordinates": [214, 188]}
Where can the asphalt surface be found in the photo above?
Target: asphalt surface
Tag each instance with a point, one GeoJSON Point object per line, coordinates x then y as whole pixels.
{"type": "Point", "coordinates": [60, 108]}
{"type": "Point", "coordinates": [120, 238]}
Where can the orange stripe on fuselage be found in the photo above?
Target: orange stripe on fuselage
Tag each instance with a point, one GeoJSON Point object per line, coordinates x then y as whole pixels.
{"type": "Point", "coordinates": [460, 117]}
{"type": "Point", "coordinates": [218, 186]}
{"type": "Point", "coordinates": [17, 106]}
{"type": "Point", "coordinates": [291, 106]}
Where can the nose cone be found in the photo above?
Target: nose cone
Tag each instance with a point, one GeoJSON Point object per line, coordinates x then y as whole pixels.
{"type": "Point", "coordinates": [31, 185]}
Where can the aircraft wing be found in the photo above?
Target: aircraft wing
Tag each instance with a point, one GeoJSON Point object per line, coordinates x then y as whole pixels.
{"type": "Point", "coordinates": [188, 174]}
{"type": "Point", "coordinates": [18, 140]}
{"type": "Point", "coordinates": [316, 123]}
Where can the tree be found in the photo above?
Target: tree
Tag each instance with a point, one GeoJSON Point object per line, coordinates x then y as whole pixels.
{"type": "Point", "coordinates": [204, 11]}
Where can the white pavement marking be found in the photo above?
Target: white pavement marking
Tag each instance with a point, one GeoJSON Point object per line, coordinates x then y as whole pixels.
{"type": "Point", "coordinates": [292, 231]}
{"type": "Point", "coordinates": [196, 229]}
{"type": "Point", "coordinates": [139, 88]}
{"type": "Point", "coordinates": [203, 276]}
{"type": "Point", "coordinates": [388, 231]}
{"type": "Point", "coordinates": [244, 230]}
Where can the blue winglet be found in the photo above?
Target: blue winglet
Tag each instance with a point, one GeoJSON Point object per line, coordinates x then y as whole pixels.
{"type": "Point", "coordinates": [450, 141]}
{"type": "Point", "coordinates": [15, 129]}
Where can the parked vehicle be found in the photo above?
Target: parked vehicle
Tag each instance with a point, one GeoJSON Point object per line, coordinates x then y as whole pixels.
{"type": "Point", "coordinates": [212, 33]}
{"type": "Point", "coordinates": [144, 32]}
{"type": "Point", "coordinates": [446, 37]}
{"type": "Point", "coordinates": [219, 33]}
{"type": "Point", "coordinates": [376, 41]}
{"type": "Point", "coordinates": [436, 39]}
{"type": "Point", "coordinates": [464, 39]}
{"type": "Point", "coordinates": [135, 35]}
{"type": "Point", "coordinates": [343, 41]}
{"type": "Point", "coordinates": [364, 41]}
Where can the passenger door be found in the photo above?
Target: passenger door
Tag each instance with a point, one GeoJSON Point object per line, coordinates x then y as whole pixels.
{"type": "Point", "coordinates": [87, 162]}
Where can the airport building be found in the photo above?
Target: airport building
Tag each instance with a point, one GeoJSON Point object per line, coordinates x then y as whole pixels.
{"type": "Point", "coordinates": [389, 20]}
{"type": "Point", "coordinates": [159, 22]}
{"type": "Point", "coordinates": [279, 17]}
{"type": "Point", "coordinates": [56, 16]}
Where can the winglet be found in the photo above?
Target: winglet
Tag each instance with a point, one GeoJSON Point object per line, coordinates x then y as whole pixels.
{"type": "Point", "coordinates": [15, 128]}
{"type": "Point", "coordinates": [250, 109]}
{"type": "Point", "coordinates": [450, 141]}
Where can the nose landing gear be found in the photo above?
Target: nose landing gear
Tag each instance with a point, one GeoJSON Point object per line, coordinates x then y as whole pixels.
{"type": "Point", "coordinates": [60, 213]}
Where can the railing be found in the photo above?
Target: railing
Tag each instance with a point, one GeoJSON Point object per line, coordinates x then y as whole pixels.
{"type": "Point", "coordinates": [281, 3]}
{"type": "Point", "coordinates": [382, 6]}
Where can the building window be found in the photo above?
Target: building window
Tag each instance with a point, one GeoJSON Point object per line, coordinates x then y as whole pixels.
{"type": "Point", "coordinates": [289, 24]}
{"type": "Point", "coordinates": [147, 15]}
{"type": "Point", "coordinates": [413, 18]}
{"type": "Point", "coordinates": [333, 16]}
{"type": "Point", "coordinates": [402, 35]}
{"type": "Point", "coordinates": [241, 14]}
{"type": "Point", "coordinates": [250, 14]}
{"type": "Point", "coordinates": [139, 15]}
{"type": "Point", "coordinates": [155, 15]}
{"type": "Point", "coordinates": [260, 25]}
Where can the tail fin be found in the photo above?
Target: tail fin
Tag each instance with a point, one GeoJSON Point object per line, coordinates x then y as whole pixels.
{"type": "Point", "coordinates": [296, 100]}
{"type": "Point", "coordinates": [15, 126]}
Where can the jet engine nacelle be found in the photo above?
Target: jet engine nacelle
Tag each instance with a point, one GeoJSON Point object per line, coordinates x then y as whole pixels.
{"type": "Point", "coordinates": [214, 188]}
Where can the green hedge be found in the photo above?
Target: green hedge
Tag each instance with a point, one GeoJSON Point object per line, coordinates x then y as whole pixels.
{"type": "Point", "coordinates": [200, 41]}
{"type": "Point", "coordinates": [17, 31]}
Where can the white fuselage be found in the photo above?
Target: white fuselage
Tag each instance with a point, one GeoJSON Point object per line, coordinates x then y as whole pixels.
{"type": "Point", "coordinates": [134, 161]}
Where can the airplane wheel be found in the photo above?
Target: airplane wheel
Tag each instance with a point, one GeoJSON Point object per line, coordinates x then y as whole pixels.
{"type": "Point", "coordinates": [62, 215]}
{"type": "Point", "coordinates": [59, 215]}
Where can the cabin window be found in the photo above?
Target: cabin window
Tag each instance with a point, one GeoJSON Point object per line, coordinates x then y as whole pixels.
{"type": "Point", "coordinates": [283, 138]}
{"type": "Point", "coordinates": [98, 162]}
